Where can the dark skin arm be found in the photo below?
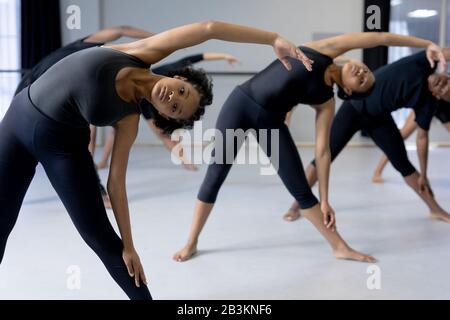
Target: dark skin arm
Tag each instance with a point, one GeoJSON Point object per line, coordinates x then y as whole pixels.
{"type": "Point", "coordinates": [126, 132]}
{"type": "Point", "coordinates": [156, 48]}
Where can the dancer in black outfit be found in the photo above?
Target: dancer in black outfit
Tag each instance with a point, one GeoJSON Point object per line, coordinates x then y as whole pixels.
{"type": "Point", "coordinates": [95, 40]}
{"type": "Point", "coordinates": [166, 70]}
{"type": "Point", "coordinates": [401, 84]}
{"type": "Point", "coordinates": [439, 85]}
{"type": "Point", "coordinates": [48, 122]}
{"type": "Point", "coordinates": [262, 103]}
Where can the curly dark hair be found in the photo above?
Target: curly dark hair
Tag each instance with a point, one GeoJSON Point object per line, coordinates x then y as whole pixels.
{"type": "Point", "coordinates": [355, 95]}
{"type": "Point", "coordinates": [202, 83]}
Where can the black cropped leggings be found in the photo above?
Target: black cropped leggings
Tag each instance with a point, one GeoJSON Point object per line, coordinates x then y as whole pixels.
{"type": "Point", "coordinates": [27, 138]}
{"type": "Point", "coordinates": [382, 130]}
{"type": "Point", "coordinates": [242, 112]}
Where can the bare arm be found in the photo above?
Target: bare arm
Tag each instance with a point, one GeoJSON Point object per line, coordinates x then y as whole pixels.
{"type": "Point", "coordinates": [341, 44]}
{"type": "Point", "coordinates": [324, 119]}
{"type": "Point", "coordinates": [156, 48]}
{"type": "Point", "coordinates": [212, 56]}
{"type": "Point", "coordinates": [115, 33]}
{"type": "Point", "coordinates": [126, 132]}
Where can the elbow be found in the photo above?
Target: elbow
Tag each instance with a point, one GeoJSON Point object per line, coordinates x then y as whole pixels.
{"type": "Point", "coordinates": [110, 187]}
{"type": "Point", "coordinates": [210, 28]}
{"type": "Point", "coordinates": [422, 135]}
{"type": "Point", "coordinates": [114, 187]}
{"type": "Point", "coordinates": [383, 38]}
{"type": "Point", "coordinates": [323, 154]}
{"type": "Point", "coordinates": [422, 138]}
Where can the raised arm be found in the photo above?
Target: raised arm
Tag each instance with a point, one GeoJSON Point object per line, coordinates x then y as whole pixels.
{"type": "Point", "coordinates": [324, 119]}
{"type": "Point", "coordinates": [341, 44]}
{"type": "Point", "coordinates": [156, 48]}
{"type": "Point", "coordinates": [126, 132]}
{"type": "Point", "coordinates": [115, 33]}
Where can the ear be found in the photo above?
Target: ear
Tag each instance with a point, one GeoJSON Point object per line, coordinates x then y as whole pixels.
{"type": "Point", "coordinates": [348, 91]}
{"type": "Point", "coordinates": [180, 78]}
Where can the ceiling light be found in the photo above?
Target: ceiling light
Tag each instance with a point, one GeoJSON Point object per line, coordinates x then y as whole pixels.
{"type": "Point", "coordinates": [422, 13]}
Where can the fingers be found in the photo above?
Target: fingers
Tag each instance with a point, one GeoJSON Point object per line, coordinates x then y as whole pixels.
{"type": "Point", "coordinates": [332, 221]}
{"type": "Point", "coordinates": [443, 61]}
{"type": "Point", "coordinates": [130, 268]}
{"type": "Point", "coordinates": [430, 60]}
{"type": "Point", "coordinates": [137, 274]}
{"type": "Point", "coordinates": [302, 57]}
{"type": "Point", "coordinates": [143, 277]}
{"type": "Point", "coordinates": [286, 63]}
{"type": "Point", "coordinates": [325, 218]}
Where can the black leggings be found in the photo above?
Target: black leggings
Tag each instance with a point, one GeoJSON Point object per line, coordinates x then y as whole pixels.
{"type": "Point", "coordinates": [382, 130]}
{"type": "Point", "coordinates": [27, 138]}
{"type": "Point", "coordinates": [241, 112]}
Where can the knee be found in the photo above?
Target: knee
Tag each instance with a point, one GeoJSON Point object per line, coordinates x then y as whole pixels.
{"type": "Point", "coordinates": [404, 167]}
{"type": "Point", "coordinates": [307, 201]}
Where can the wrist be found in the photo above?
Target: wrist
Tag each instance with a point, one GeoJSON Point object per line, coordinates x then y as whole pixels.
{"type": "Point", "coordinates": [128, 245]}
{"type": "Point", "coordinates": [273, 37]}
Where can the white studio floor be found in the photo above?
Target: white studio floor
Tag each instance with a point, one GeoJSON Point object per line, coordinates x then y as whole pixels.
{"type": "Point", "coordinates": [247, 251]}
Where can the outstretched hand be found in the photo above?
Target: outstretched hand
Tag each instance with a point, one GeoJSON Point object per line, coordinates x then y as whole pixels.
{"type": "Point", "coordinates": [435, 53]}
{"type": "Point", "coordinates": [285, 49]}
{"type": "Point", "coordinates": [232, 60]}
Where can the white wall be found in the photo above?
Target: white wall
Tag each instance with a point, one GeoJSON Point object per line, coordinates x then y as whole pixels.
{"type": "Point", "coordinates": [90, 19]}
{"type": "Point", "coordinates": [298, 20]}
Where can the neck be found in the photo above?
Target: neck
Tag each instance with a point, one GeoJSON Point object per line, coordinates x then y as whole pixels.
{"type": "Point", "coordinates": [333, 74]}
{"type": "Point", "coordinates": [143, 82]}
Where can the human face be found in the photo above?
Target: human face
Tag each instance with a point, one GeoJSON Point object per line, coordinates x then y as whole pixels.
{"type": "Point", "coordinates": [357, 77]}
{"type": "Point", "coordinates": [175, 98]}
{"type": "Point", "coordinates": [439, 85]}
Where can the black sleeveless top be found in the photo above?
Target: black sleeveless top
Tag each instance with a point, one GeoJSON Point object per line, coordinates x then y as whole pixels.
{"type": "Point", "coordinates": [81, 88]}
{"type": "Point", "coordinates": [53, 58]}
{"type": "Point", "coordinates": [278, 89]}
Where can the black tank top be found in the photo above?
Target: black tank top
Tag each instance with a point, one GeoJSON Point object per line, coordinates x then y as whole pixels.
{"type": "Point", "coordinates": [53, 58]}
{"type": "Point", "coordinates": [278, 89]}
{"type": "Point", "coordinates": [81, 89]}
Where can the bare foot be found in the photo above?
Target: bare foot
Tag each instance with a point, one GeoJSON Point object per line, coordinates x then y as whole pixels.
{"type": "Point", "coordinates": [185, 254]}
{"type": "Point", "coordinates": [292, 215]}
{"type": "Point", "coordinates": [348, 253]}
{"type": "Point", "coordinates": [102, 165]}
{"type": "Point", "coordinates": [377, 178]}
{"type": "Point", "coordinates": [441, 216]}
{"type": "Point", "coordinates": [106, 201]}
